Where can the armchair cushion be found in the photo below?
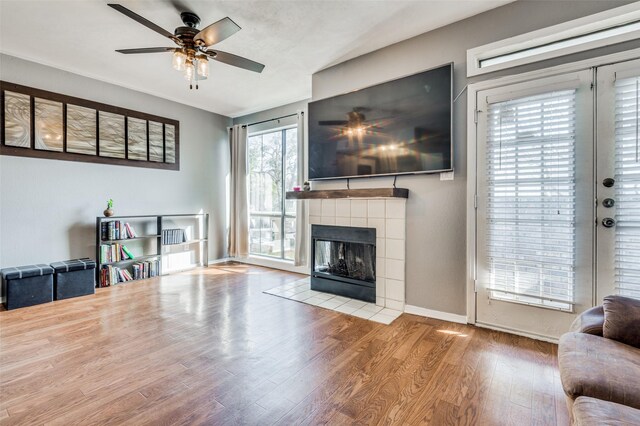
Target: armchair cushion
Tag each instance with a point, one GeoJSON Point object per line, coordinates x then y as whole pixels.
{"type": "Point", "coordinates": [599, 368]}
{"type": "Point", "coordinates": [590, 321]}
{"type": "Point", "coordinates": [622, 320]}
{"type": "Point", "coordinates": [595, 412]}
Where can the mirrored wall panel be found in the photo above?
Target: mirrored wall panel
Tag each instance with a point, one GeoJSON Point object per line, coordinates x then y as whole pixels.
{"type": "Point", "coordinates": [49, 123]}
{"type": "Point", "coordinates": [17, 119]}
{"type": "Point", "coordinates": [156, 142]}
{"type": "Point", "coordinates": [137, 138]}
{"type": "Point", "coordinates": [111, 135]}
{"type": "Point", "coordinates": [170, 143]}
{"type": "Point", "coordinates": [81, 130]}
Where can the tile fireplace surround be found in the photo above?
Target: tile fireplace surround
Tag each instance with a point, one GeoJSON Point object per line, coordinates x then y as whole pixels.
{"type": "Point", "coordinates": [387, 216]}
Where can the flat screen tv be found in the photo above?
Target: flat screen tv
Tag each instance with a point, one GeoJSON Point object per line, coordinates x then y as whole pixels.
{"type": "Point", "coordinates": [398, 127]}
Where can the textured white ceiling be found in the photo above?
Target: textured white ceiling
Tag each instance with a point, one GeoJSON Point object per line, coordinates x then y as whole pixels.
{"type": "Point", "coordinates": [293, 39]}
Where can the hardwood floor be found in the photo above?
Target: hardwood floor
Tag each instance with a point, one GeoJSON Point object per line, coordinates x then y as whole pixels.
{"type": "Point", "coordinates": [208, 347]}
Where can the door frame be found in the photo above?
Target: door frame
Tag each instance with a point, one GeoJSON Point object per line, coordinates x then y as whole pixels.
{"type": "Point", "coordinates": [472, 148]}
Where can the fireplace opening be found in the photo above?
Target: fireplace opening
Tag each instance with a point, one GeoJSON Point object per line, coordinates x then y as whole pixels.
{"type": "Point", "coordinates": [344, 261]}
{"type": "Point", "coordinates": [347, 260]}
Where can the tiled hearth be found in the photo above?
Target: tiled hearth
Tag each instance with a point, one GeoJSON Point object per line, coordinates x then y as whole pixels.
{"type": "Point", "coordinates": [300, 291]}
{"type": "Point", "coordinates": [387, 216]}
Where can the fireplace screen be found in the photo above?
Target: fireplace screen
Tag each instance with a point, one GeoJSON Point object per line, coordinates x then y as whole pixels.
{"type": "Point", "coordinates": [356, 261]}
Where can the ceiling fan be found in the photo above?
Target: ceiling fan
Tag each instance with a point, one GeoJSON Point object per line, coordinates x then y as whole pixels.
{"type": "Point", "coordinates": [192, 54]}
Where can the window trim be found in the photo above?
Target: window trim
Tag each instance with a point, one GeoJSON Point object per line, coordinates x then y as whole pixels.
{"type": "Point", "coordinates": [576, 28]}
{"type": "Point", "coordinates": [283, 216]}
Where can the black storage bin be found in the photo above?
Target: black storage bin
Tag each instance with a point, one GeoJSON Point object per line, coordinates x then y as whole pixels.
{"type": "Point", "coordinates": [27, 285]}
{"type": "Point", "coordinates": [74, 278]}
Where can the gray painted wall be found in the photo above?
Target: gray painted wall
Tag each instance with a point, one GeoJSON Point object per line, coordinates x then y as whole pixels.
{"type": "Point", "coordinates": [269, 114]}
{"type": "Point", "coordinates": [48, 207]}
{"type": "Point", "coordinates": [436, 210]}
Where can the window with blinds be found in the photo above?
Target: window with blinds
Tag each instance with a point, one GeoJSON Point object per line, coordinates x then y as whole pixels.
{"type": "Point", "coordinates": [627, 187]}
{"type": "Point", "coordinates": [531, 199]}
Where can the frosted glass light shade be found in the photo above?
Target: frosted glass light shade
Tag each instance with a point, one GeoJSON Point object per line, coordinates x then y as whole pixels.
{"type": "Point", "coordinates": [203, 67]}
{"type": "Point", "coordinates": [189, 71]}
{"type": "Point", "coordinates": [179, 60]}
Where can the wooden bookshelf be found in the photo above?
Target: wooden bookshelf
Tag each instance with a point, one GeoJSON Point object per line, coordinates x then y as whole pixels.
{"type": "Point", "coordinates": [151, 239]}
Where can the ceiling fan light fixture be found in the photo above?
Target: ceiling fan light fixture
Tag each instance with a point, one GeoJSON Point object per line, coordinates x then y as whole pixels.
{"type": "Point", "coordinates": [189, 71]}
{"type": "Point", "coordinates": [179, 60]}
{"type": "Point", "coordinates": [203, 66]}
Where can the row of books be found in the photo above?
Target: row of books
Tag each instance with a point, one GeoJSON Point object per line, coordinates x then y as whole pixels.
{"type": "Point", "coordinates": [111, 275]}
{"type": "Point", "coordinates": [173, 236]}
{"type": "Point", "coordinates": [116, 230]}
{"type": "Point", "coordinates": [148, 269]}
{"type": "Point", "coordinates": [114, 253]}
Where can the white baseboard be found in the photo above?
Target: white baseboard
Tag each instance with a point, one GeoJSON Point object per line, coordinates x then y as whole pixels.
{"type": "Point", "coordinates": [518, 332]}
{"type": "Point", "coordinates": [223, 260]}
{"type": "Point", "coordinates": [273, 264]}
{"type": "Point", "coordinates": [430, 313]}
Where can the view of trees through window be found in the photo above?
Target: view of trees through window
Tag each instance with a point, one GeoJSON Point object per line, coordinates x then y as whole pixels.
{"type": "Point", "coordinates": [273, 170]}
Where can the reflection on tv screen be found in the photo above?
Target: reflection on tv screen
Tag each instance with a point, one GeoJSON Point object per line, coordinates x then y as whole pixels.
{"type": "Point", "coordinates": [402, 126]}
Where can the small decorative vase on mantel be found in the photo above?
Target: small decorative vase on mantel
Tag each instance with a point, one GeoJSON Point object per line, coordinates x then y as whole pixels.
{"type": "Point", "coordinates": [109, 211]}
{"type": "Point", "coordinates": [306, 186]}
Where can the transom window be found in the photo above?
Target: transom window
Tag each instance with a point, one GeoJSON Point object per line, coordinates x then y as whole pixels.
{"type": "Point", "coordinates": [273, 168]}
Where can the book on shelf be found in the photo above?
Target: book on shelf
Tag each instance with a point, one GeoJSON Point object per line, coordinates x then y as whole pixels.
{"type": "Point", "coordinates": [112, 275]}
{"type": "Point", "coordinates": [127, 252]}
{"type": "Point", "coordinates": [114, 252]}
{"type": "Point", "coordinates": [173, 236]}
{"type": "Point", "coordinates": [116, 230]}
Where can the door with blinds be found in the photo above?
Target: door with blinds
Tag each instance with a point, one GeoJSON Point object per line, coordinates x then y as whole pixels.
{"type": "Point", "coordinates": [535, 204]}
{"type": "Point", "coordinates": [618, 180]}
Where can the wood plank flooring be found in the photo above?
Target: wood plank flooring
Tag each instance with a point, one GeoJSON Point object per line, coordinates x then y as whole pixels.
{"type": "Point", "coordinates": [208, 347]}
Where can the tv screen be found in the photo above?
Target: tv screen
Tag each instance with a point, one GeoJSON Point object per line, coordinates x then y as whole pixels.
{"type": "Point", "coordinates": [398, 127]}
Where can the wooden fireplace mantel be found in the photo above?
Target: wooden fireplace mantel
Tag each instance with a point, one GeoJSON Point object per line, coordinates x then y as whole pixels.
{"type": "Point", "coordinates": [349, 193]}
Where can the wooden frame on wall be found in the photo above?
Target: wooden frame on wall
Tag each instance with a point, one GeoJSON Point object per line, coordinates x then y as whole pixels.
{"type": "Point", "coordinates": [80, 130]}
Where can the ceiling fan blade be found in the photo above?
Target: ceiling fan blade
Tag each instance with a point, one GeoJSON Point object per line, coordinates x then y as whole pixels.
{"type": "Point", "coordinates": [333, 123]}
{"type": "Point", "coordinates": [180, 6]}
{"type": "Point", "coordinates": [217, 32]}
{"type": "Point", "coordinates": [147, 50]}
{"type": "Point", "coordinates": [141, 20]}
{"type": "Point", "coordinates": [236, 61]}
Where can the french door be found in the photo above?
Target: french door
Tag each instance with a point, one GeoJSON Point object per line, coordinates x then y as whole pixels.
{"type": "Point", "coordinates": [618, 180]}
{"type": "Point", "coordinates": [558, 198]}
{"type": "Point", "coordinates": [535, 209]}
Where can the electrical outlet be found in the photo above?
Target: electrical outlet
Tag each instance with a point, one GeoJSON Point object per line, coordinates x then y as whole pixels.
{"type": "Point", "coordinates": [446, 176]}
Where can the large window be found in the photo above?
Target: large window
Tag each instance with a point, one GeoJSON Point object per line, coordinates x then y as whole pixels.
{"type": "Point", "coordinates": [273, 169]}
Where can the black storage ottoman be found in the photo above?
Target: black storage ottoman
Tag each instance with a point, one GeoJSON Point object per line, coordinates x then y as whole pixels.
{"type": "Point", "coordinates": [74, 278]}
{"type": "Point", "coordinates": [27, 285]}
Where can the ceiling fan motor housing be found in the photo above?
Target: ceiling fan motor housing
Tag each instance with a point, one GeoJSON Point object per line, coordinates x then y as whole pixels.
{"type": "Point", "coordinates": [186, 32]}
{"type": "Point", "coordinates": [190, 19]}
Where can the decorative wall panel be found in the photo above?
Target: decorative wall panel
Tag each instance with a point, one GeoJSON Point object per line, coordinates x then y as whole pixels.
{"type": "Point", "coordinates": [42, 124]}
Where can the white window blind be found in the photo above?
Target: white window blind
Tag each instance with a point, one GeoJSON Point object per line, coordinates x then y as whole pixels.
{"type": "Point", "coordinates": [627, 187]}
{"type": "Point", "coordinates": [531, 199]}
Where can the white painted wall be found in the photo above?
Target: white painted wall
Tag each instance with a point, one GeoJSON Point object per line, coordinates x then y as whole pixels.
{"type": "Point", "coordinates": [48, 207]}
